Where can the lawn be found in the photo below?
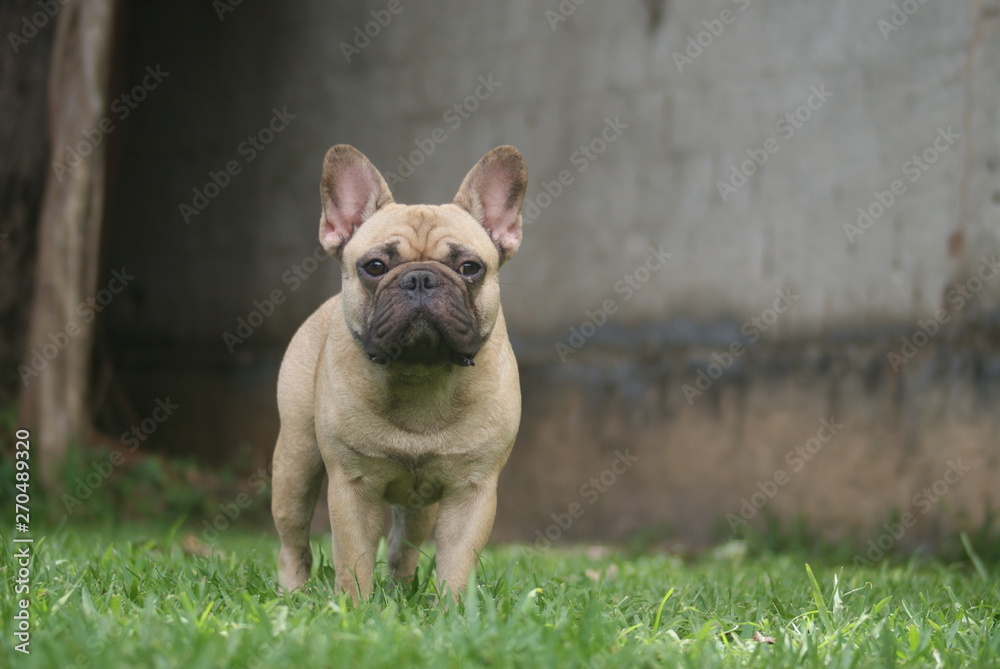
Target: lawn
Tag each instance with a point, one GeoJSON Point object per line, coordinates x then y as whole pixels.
{"type": "Point", "coordinates": [144, 597]}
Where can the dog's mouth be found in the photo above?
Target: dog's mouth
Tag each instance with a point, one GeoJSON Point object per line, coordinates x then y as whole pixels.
{"type": "Point", "coordinates": [420, 340]}
{"type": "Point", "coordinates": [432, 332]}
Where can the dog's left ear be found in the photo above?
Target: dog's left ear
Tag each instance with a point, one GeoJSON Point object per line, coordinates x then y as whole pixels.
{"type": "Point", "coordinates": [492, 193]}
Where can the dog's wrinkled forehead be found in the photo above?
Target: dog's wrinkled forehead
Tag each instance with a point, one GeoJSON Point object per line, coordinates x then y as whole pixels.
{"type": "Point", "coordinates": [422, 232]}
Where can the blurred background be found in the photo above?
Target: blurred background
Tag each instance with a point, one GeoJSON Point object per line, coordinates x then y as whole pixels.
{"type": "Point", "coordinates": [755, 291]}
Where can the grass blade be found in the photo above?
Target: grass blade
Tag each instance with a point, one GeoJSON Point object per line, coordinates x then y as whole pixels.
{"type": "Point", "coordinates": [820, 601]}
{"type": "Point", "coordinates": [976, 561]}
{"type": "Point", "coordinates": [659, 610]}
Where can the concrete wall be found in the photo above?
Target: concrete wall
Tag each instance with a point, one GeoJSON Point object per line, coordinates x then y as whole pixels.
{"type": "Point", "coordinates": [644, 109]}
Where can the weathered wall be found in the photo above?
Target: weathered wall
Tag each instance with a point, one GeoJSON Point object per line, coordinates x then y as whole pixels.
{"type": "Point", "coordinates": [841, 107]}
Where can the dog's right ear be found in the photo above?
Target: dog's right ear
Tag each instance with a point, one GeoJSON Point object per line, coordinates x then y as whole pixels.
{"type": "Point", "coordinates": [352, 190]}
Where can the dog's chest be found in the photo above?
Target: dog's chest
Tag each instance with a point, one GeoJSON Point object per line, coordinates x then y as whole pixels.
{"type": "Point", "coordinates": [401, 468]}
{"type": "Point", "coordinates": [414, 482]}
{"type": "Point", "coordinates": [415, 486]}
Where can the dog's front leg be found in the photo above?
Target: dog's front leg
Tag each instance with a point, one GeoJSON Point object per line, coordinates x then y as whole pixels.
{"type": "Point", "coordinates": [356, 519]}
{"type": "Point", "coordinates": [465, 519]}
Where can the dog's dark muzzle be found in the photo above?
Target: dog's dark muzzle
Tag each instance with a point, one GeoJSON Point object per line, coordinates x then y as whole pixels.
{"type": "Point", "coordinates": [423, 316]}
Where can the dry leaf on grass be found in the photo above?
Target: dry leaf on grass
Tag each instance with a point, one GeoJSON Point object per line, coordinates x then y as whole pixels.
{"type": "Point", "coordinates": [193, 545]}
{"type": "Point", "coordinates": [609, 574]}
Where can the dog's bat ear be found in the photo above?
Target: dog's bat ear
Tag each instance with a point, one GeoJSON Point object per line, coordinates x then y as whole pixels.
{"type": "Point", "coordinates": [352, 190]}
{"type": "Point", "coordinates": [492, 193]}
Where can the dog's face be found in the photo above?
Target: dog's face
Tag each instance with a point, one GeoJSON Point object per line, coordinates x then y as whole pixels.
{"type": "Point", "coordinates": [419, 283]}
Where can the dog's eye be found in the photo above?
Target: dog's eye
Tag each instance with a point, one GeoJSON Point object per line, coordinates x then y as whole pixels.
{"type": "Point", "coordinates": [375, 268]}
{"type": "Point", "coordinates": [469, 268]}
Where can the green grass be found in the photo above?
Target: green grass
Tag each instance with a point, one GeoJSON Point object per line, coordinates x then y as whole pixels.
{"type": "Point", "coordinates": [140, 598]}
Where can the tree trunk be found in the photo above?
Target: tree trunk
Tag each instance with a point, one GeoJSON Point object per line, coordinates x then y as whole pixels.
{"type": "Point", "coordinates": [56, 365]}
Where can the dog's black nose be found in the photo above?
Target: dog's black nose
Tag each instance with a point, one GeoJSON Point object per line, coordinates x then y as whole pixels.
{"type": "Point", "coordinates": [419, 282]}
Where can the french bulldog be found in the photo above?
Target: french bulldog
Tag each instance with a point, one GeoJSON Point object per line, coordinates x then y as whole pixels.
{"type": "Point", "coordinates": [403, 388]}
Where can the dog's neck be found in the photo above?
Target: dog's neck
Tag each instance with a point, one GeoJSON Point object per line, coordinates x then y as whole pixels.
{"type": "Point", "coordinates": [422, 398]}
